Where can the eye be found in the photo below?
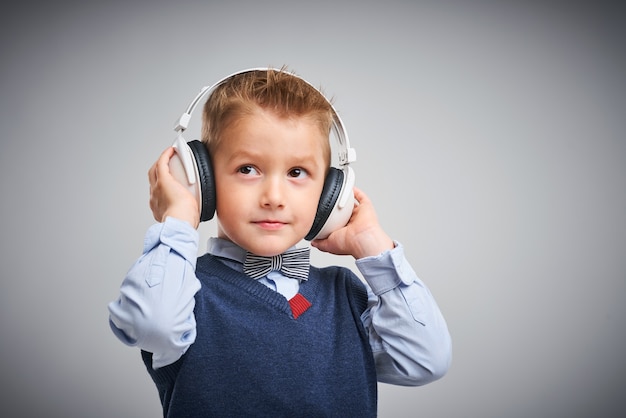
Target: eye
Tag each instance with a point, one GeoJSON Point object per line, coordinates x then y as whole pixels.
{"type": "Point", "coordinates": [298, 173]}
{"type": "Point", "coordinates": [248, 170]}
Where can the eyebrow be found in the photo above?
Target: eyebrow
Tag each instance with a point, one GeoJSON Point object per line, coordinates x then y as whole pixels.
{"type": "Point", "coordinates": [247, 153]}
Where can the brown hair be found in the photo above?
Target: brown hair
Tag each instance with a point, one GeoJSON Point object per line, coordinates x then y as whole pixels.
{"type": "Point", "coordinates": [278, 91]}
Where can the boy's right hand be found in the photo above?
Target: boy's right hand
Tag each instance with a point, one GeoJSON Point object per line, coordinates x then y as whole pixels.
{"type": "Point", "coordinates": [167, 196]}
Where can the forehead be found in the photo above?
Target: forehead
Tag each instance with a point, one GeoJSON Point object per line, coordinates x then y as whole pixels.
{"type": "Point", "coordinates": [263, 130]}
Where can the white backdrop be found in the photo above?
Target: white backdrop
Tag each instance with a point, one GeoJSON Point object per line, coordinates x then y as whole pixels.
{"type": "Point", "coordinates": [490, 136]}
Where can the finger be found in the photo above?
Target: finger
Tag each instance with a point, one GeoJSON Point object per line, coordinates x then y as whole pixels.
{"type": "Point", "coordinates": [152, 174]}
{"type": "Point", "coordinates": [360, 196]}
{"type": "Point", "coordinates": [165, 157]}
{"type": "Point", "coordinates": [320, 244]}
{"type": "Point", "coordinates": [162, 167]}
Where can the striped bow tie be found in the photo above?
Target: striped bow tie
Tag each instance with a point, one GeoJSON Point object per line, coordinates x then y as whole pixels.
{"type": "Point", "coordinates": [293, 263]}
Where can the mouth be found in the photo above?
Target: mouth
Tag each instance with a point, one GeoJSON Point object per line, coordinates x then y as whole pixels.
{"type": "Point", "coordinates": [270, 224]}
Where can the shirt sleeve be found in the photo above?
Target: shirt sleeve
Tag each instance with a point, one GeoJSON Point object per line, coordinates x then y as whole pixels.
{"type": "Point", "coordinates": [154, 310]}
{"type": "Point", "coordinates": [408, 334]}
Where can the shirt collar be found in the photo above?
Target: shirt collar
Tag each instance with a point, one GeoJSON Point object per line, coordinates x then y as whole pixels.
{"type": "Point", "coordinates": [222, 248]}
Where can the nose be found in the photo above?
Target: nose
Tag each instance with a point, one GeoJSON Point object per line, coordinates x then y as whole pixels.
{"type": "Point", "coordinates": [273, 193]}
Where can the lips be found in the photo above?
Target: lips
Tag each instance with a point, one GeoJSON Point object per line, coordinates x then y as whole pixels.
{"type": "Point", "coordinates": [270, 224]}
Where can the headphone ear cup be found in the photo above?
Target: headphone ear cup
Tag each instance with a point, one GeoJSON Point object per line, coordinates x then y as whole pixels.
{"type": "Point", "coordinates": [206, 179]}
{"type": "Point", "coordinates": [330, 193]}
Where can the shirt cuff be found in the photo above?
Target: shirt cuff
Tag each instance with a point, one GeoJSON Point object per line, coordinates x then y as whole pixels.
{"type": "Point", "coordinates": [387, 270]}
{"type": "Point", "coordinates": [177, 235]}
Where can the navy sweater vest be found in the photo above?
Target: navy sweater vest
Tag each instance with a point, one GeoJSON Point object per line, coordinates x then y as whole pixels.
{"type": "Point", "coordinates": [254, 358]}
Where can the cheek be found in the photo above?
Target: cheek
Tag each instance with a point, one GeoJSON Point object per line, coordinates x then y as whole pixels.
{"type": "Point", "coordinates": [309, 204]}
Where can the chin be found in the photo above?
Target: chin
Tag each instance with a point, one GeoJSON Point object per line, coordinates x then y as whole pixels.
{"type": "Point", "coordinates": [268, 246]}
{"type": "Point", "coordinates": [265, 244]}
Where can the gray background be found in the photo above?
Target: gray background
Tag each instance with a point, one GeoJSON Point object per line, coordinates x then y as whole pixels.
{"type": "Point", "coordinates": [490, 136]}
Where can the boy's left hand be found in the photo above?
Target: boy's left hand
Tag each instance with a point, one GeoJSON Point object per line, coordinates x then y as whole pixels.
{"type": "Point", "coordinates": [362, 236]}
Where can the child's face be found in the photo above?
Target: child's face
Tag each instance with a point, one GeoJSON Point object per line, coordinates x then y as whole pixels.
{"type": "Point", "coordinates": [269, 173]}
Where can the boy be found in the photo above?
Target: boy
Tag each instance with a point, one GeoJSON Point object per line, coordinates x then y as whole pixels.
{"type": "Point", "coordinates": [218, 342]}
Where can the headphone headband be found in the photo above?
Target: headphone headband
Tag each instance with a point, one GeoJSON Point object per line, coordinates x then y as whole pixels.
{"type": "Point", "coordinates": [347, 154]}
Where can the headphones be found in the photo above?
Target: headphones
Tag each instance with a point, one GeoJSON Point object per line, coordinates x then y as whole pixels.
{"type": "Point", "coordinates": [191, 166]}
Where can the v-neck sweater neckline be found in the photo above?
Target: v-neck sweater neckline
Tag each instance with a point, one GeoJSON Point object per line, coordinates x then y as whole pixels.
{"type": "Point", "coordinates": [212, 266]}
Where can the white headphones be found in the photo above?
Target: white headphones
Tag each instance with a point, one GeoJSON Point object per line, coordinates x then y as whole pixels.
{"type": "Point", "coordinates": [191, 165]}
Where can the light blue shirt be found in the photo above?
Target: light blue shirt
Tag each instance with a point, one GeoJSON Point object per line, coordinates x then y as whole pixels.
{"type": "Point", "coordinates": [154, 311]}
